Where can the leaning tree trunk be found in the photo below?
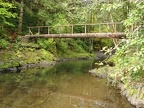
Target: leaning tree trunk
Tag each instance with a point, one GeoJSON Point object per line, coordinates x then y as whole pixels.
{"type": "Point", "coordinates": [21, 17]}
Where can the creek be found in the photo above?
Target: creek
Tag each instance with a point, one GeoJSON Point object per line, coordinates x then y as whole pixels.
{"type": "Point", "coordinates": [66, 85]}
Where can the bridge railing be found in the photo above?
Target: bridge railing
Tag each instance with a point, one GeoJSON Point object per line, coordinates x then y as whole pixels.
{"type": "Point", "coordinates": [77, 28]}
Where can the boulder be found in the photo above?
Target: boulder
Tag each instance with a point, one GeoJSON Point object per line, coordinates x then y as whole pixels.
{"type": "Point", "coordinates": [101, 72]}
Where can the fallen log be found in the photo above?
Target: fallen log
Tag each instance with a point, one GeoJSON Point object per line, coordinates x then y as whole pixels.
{"type": "Point", "coordinates": [79, 35]}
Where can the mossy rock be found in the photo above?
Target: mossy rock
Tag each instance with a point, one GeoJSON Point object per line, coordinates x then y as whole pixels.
{"type": "Point", "coordinates": [101, 72]}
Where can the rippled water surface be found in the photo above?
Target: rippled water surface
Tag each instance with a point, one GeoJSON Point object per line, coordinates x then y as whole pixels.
{"type": "Point", "coordinates": [67, 85]}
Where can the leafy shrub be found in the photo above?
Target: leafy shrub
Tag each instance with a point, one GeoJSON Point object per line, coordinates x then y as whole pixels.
{"type": "Point", "coordinates": [41, 43]}
{"type": "Point", "coordinates": [48, 44]}
{"type": "Point", "coordinates": [3, 43]}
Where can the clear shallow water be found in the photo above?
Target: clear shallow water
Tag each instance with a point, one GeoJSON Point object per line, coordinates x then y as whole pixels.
{"type": "Point", "coordinates": [67, 85]}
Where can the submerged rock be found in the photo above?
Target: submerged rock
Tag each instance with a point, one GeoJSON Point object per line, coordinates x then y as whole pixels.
{"type": "Point", "coordinates": [8, 70]}
{"type": "Point", "coordinates": [99, 56]}
{"type": "Point", "coordinates": [12, 69]}
{"type": "Point", "coordinates": [2, 70]}
{"type": "Point", "coordinates": [46, 63]}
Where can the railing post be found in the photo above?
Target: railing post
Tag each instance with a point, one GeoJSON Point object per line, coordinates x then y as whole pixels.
{"type": "Point", "coordinates": [29, 31]}
{"type": "Point", "coordinates": [72, 29]}
{"type": "Point", "coordinates": [99, 28]}
{"type": "Point", "coordinates": [59, 29]}
{"type": "Point", "coordinates": [132, 28]}
{"type": "Point", "coordinates": [108, 27]}
{"type": "Point", "coordinates": [38, 30]}
{"type": "Point", "coordinates": [115, 27]}
{"type": "Point", "coordinates": [85, 29]}
{"type": "Point", "coordinates": [48, 30]}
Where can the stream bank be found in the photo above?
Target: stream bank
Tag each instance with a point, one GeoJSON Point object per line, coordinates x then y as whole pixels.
{"type": "Point", "coordinates": [133, 91]}
{"type": "Point", "coordinates": [15, 60]}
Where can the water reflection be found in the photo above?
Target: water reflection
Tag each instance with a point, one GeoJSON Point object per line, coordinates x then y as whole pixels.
{"type": "Point", "coordinates": [67, 85]}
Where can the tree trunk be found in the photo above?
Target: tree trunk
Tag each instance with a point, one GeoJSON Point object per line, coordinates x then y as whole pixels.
{"type": "Point", "coordinates": [21, 17]}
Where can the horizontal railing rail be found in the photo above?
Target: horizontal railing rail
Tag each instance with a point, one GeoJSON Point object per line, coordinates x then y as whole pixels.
{"type": "Point", "coordinates": [73, 28]}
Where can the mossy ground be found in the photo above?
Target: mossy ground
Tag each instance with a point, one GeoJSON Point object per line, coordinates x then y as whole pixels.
{"type": "Point", "coordinates": [30, 53]}
{"type": "Point", "coordinates": [27, 56]}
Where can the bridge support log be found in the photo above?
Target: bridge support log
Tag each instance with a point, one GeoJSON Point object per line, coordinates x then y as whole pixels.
{"type": "Point", "coordinates": [80, 35]}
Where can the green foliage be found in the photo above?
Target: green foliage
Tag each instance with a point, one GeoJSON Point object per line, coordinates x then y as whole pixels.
{"type": "Point", "coordinates": [62, 45]}
{"type": "Point", "coordinates": [70, 44]}
{"type": "Point", "coordinates": [136, 14]}
{"type": "Point", "coordinates": [84, 44]}
{"type": "Point", "coordinates": [48, 44]}
{"type": "Point", "coordinates": [3, 43]}
{"type": "Point", "coordinates": [130, 56]}
{"type": "Point", "coordinates": [46, 55]}
{"type": "Point", "coordinates": [29, 20]}
{"type": "Point", "coordinates": [41, 43]}
{"type": "Point", "coordinates": [5, 13]}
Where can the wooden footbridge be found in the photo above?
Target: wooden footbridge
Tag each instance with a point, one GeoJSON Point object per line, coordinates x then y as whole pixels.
{"type": "Point", "coordinates": [98, 30]}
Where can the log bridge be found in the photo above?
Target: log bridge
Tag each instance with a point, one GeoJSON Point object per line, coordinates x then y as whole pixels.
{"type": "Point", "coordinates": [98, 30]}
